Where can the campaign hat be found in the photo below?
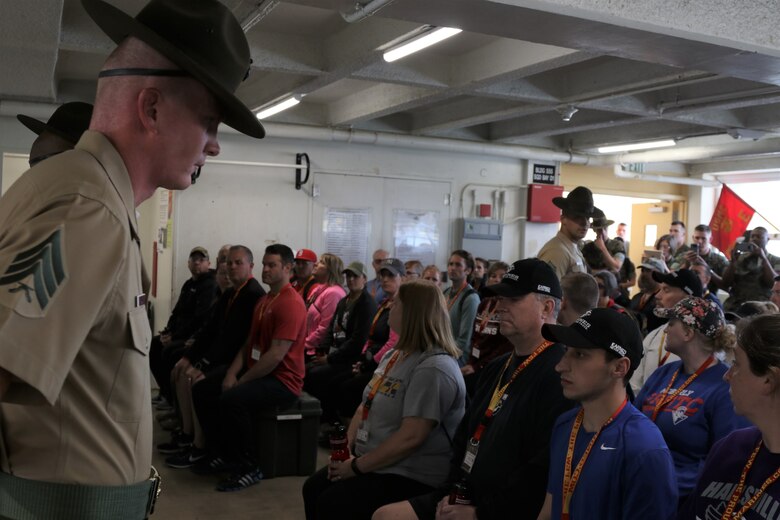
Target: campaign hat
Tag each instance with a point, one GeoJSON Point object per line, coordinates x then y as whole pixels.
{"type": "Point", "coordinates": [579, 202]}
{"type": "Point", "coordinates": [69, 121]}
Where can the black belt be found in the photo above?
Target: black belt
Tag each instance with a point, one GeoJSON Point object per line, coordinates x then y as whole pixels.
{"type": "Point", "coordinates": [23, 499]}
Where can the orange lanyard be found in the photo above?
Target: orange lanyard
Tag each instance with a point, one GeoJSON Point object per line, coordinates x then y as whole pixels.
{"type": "Point", "coordinates": [264, 306]}
{"type": "Point", "coordinates": [451, 301]}
{"type": "Point", "coordinates": [661, 350]}
{"type": "Point", "coordinates": [570, 479]}
{"type": "Point", "coordinates": [380, 310]}
{"type": "Point", "coordinates": [665, 399]}
{"type": "Point", "coordinates": [378, 380]}
{"type": "Point", "coordinates": [235, 295]}
{"type": "Point", "coordinates": [499, 391]}
{"type": "Point", "coordinates": [729, 513]}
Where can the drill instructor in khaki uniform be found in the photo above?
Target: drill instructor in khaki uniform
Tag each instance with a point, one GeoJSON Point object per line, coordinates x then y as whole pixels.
{"type": "Point", "coordinates": [75, 404]}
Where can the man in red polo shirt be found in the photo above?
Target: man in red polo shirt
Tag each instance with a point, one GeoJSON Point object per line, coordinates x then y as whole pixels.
{"type": "Point", "coordinates": [267, 372]}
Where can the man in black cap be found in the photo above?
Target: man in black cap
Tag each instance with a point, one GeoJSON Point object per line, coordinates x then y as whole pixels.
{"type": "Point", "coordinates": [607, 459]}
{"type": "Point", "coordinates": [502, 444]}
{"type": "Point", "coordinates": [74, 333]}
{"type": "Point", "coordinates": [562, 251]}
{"type": "Point", "coordinates": [60, 133]}
{"type": "Point", "coordinates": [675, 286]}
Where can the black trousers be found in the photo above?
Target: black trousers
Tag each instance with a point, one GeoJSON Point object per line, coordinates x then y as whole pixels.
{"type": "Point", "coordinates": [358, 497]}
{"type": "Point", "coordinates": [161, 362]}
{"type": "Point", "coordinates": [227, 418]}
{"type": "Point", "coordinates": [322, 382]}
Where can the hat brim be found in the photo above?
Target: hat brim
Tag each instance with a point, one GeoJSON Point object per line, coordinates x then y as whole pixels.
{"type": "Point", "coordinates": [391, 270]}
{"type": "Point", "coordinates": [567, 335]}
{"type": "Point", "coordinates": [39, 127]}
{"type": "Point", "coordinates": [503, 289]}
{"type": "Point", "coordinates": [353, 271]}
{"type": "Point", "coordinates": [118, 25]}
{"type": "Point", "coordinates": [566, 207]}
{"type": "Point", "coordinates": [666, 278]}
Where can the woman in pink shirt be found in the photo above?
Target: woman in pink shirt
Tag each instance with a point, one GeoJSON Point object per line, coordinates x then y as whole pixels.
{"type": "Point", "coordinates": [324, 299]}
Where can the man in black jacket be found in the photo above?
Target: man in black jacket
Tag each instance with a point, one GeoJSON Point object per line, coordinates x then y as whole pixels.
{"type": "Point", "coordinates": [196, 298]}
{"type": "Point", "coordinates": [214, 346]}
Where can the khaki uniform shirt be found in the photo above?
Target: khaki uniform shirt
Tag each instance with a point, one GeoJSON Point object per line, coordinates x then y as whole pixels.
{"type": "Point", "coordinates": [73, 326]}
{"type": "Point", "coordinates": [563, 255]}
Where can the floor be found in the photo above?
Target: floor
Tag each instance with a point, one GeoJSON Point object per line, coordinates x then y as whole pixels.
{"type": "Point", "coordinates": [186, 495]}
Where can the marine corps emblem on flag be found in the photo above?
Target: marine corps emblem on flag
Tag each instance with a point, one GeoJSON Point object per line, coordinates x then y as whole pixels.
{"type": "Point", "coordinates": [34, 276]}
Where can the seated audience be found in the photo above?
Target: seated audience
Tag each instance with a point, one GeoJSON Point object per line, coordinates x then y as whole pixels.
{"type": "Point", "coordinates": [643, 303]}
{"type": "Point", "coordinates": [223, 280]}
{"type": "Point", "coordinates": [196, 297]}
{"type": "Point", "coordinates": [413, 270]}
{"type": "Point", "coordinates": [607, 460]}
{"type": "Point", "coordinates": [748, 309]}
{"type": "Point", "coordinates": [462, 300]}
{"type": "Point", "coordinates": [487, 343]}
{"type": "Point", "coordinates": [342, 346]}
{"type": "Point", "coordinates": [303, 279]}
{"type": "Point", "coordinates": [432, 274]}
{"type": "Point", "coordinates": [675, 286]}
{"type": "Point", "coordinates": [688, 399]}
{"type": "Point", "coordinates": [479, 277]}
{"type": "Point", "coordinates": [608, 289]}
{"type": "Point", "coordinates": [323, 299]}
{"type": "Point", "coordinates": [580, 294]}
{"type": "Point", "coordinates": [502, 445]}
{"type": "Point", "coordinates": [374, 286]}
{"type": "Point", "coordinates": [739, 476]}
{"type": "Point", "coordinates": [213, 348]}
{"type": "Point", "coordinates": [267, 372]}
{"type": "Point", "coordinates": [400, 434]}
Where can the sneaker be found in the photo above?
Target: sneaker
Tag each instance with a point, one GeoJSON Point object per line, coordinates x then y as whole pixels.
{"type": "Point", "coordinates": [179, 442]}
{"type": "Point", "coordinates": [241, 480]}
{"type": "Point", "coordinates": [163, 405]}
{"type": "Point", "coordinates": [211, 465]}
{"type": "Point", "coordinates": [186, 459]}
{"type": "Point", "coordinates": [171, 424]}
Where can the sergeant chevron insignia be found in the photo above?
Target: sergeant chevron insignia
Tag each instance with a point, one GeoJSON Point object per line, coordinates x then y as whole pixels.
{"type": "Point", "coordinates": [37, 272]}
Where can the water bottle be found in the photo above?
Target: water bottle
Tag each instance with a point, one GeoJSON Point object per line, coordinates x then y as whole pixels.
{"type": "Point", "coordinates": [339, 446]}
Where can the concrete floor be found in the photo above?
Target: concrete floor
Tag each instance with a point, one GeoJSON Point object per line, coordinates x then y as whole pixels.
{"type": "Point", "coordinates": [186, 495]}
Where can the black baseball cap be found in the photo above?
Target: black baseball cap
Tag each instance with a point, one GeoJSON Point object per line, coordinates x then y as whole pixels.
{"type": "Point", "coordinates": [606, 329]}
{"type": "Point", "coordinates": [524, 277]}
{"type": "Point", "coordinates": [684, 279]}
{"type": "Point", "coordinates": [394, 266]}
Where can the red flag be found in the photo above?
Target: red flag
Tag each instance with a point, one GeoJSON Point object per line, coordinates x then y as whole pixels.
{"type": "Point", "coordinates": [730, 219]}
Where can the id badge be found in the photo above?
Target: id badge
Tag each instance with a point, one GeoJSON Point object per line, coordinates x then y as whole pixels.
{"type": "Point", "coordinates": [255, 354]}
{"type": "Point", "coordinates": [475, 352]}
{"type": "Point", "coordinates": [469, 457]}
{"type": "Point", "coordinates": [362, 435]}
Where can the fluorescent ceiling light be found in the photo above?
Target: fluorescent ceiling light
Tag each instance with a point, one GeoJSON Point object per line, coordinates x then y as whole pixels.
{"type": "Point", "coordinates": [275, 109]}
{"type": "Point", "coordinates": [647, 145]}
{"type": "Point", "coordinates": [419, 43]}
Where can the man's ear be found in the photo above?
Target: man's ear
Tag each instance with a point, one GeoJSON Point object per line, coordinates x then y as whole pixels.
{"type": "Point", "coordinates": [621, 367]}
{"type": "Point", "coordinates": [147, 104]}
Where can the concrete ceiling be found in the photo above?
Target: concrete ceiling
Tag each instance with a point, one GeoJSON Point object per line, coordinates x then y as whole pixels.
{"type": "Point", "coordinates": [662, 69]}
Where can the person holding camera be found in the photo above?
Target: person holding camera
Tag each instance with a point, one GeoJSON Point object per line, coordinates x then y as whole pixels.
{"type": "Point", "coordinates": [702, 252]}
{"type": "Point", "coordinates": [752, 271]}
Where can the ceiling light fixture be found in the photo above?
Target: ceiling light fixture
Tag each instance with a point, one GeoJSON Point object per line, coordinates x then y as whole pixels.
{"type": "Point", "coordinates": [278, 107]}
{"type": "Point", "coordinates": [567, 112]}
{"type": "Point", "coordinates": [630, 147]}
{"type": "Point", "coordinates": [420, 42]}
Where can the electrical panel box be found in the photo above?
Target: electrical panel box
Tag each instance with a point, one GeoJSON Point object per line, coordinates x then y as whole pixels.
{"type": "Point", "coordinates": [483, 237]}
{"type": "Point", "coordinates": [540, 204]}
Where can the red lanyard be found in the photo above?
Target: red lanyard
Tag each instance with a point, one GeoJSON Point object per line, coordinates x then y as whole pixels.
{"type": "Point", "coordinates": [486, 317]}
{"type": "Point", "coordinates": [451, 301]}
{"type": "Point", "coordinates": [378, 380]}
{"type": "Point", "coordinates": [665, 399]}
{"type": "Point", "coordinates": [570, 479]}
{"type": "Point", "coordinates": [661, 350]}
{"type": "Point", "coordinates": [499, 391]}
{"type": "Point", "coordinates": [729, 513]}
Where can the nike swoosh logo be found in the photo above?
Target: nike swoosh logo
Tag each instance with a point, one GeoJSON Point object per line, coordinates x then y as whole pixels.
{"type": "Point", "coordinates": [606, 448]}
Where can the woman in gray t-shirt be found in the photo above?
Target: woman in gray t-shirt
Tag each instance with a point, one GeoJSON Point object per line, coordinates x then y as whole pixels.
{"type": "Point", "coordinates": [400, 434]}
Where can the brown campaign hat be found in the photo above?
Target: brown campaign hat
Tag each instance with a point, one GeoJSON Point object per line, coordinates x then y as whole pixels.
{"type": "Point", "coordinates": [600, 220]}
{"type": "Point", "coordinates": [69, 121]}
{"type": "Point", "coordinates": [578, 202]}
{"type": "Point", "coordinates": [200, 36]}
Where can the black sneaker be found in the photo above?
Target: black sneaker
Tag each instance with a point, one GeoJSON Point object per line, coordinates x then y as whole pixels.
{"type": "Point", "coordinates": [241, 480]}
{"type": "Point", "coordinates": [211, 465]}
{"type": "Point", "coordinates": [179, 442]}
{"type": "Point", "coordinates": [186, 459]}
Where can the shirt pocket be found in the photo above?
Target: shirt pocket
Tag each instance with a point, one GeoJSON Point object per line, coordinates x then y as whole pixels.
{"type": "Point", "coordinates": [126, 402]}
